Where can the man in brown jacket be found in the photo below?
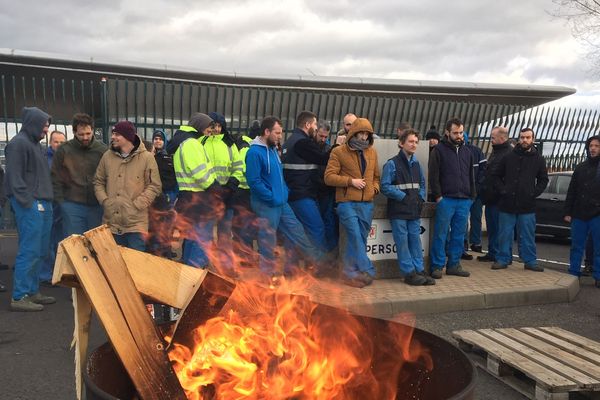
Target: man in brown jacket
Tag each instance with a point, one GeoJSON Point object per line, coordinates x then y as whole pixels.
{"type": "Point", "coordinates": [126, 183]}
{"type": "Point", "coordinates": [354, 171]}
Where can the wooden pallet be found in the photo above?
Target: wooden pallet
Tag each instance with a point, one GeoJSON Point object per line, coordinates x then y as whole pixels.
{"type": "Point", "coordinates": [547, 363]}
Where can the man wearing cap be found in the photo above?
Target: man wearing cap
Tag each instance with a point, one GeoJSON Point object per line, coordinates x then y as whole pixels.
{"type": "Point", "coordinates": [197, 206]}
{"type": "Point", "coordinates": [29, 190]}
{"type": "Point", "coordinates": [126, 184]}
{"type": "Point", "coordinates": [161, 212]}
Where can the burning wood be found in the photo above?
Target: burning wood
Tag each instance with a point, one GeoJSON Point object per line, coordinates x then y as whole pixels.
{"type": "Point", "coordinates": [232, 341]}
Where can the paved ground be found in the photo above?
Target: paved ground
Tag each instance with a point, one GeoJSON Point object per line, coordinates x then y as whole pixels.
{"type": "Point", "coordinates": [36, 362]}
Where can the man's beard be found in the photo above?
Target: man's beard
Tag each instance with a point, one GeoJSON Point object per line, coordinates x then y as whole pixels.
{"type": "Point", "coordinates": [457, 142]}
{"type": "Point", "coordinates": [526, 146]}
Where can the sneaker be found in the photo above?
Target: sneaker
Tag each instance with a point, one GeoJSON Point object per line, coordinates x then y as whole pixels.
{"type": "Point", "coordinates": [39, 298]}
{"type": "Point", "coordinates": [466, 256]}
{"type": "Point", "coordinates": [457, 270]}
{"type": "Point", "coordinates": [587, 270]}
{"type": "Point", "coordinates": [486, 258]}
{"type": "Point", "coordinates": [476, 248]}
{"type": "Point", "coordinates": [25, 304]}
{"type": "Point", "coordinates": [534, 267]}
{"type": "Point", "coordinates": [428, 280]}
{"type": "Point", "coordinates": [415, 279]}
{"type": "Point", "coordinates": [497, 265]}
{"type": "Point", "coordinates": [354, 282]}
{"type": "Point", "coordinates": [436, 273]}
{"type": "Point", "coordinates": [2, 287]}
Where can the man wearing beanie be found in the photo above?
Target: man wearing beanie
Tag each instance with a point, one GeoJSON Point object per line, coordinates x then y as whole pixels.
{"type": "Point", "coordinates": [354, 172]}
{"type": "Point", "coordinates": [196, 210]}
{"type": "Point", "coordinates": [126, 184]}
{"type": "Point", "coordinates": [433, 137]}
{"type": "Point", "coordinates": [29, 189]}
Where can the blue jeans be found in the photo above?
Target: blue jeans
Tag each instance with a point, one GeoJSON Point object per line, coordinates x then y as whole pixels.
{"type": "Point", "coordinates": [56, 235]}
{"type": "Point", "coordinates": [474, 236]}
{"type": "Point", "coordinates": [194, 248]}
{"type": "Point", "coordinates": [491, 220]}
{"type": "Point", "coordinates": [356, 218]}
{"type": "Point", "coordinates": [450, 215]}
{"type": "Point", "coordinates": [133, 240]}
{"type": "Point", "coordinates": [282, 219]}
{"type": "Point", "coordinates": [33, 227]}
{"type": "Point", "coordinates": [308, 213]}
{"type": "Point", "coordinates": [525, 224]}
{"type": "Point", "coordinates": [330, 220]}
{"type": "Point", "coordinates": [79, 218]}
{"type": "Point", "coordinates": [579, 234]}
{"type": "Point", "coordinates": [407, 236]}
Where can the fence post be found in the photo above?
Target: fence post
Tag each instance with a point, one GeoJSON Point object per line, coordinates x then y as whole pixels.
{"type": "Point", "coordinates": [104, 109]}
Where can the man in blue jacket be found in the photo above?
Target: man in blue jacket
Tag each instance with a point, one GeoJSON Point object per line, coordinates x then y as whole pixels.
{"type": "Point", "coordinates": [29, 190]}
{"type": "Point", "coordinates": [453, 188]}
{"type": "Point", "coordinates": [269, 200]}
{"type": "Point", "coordinates": [403, 182]}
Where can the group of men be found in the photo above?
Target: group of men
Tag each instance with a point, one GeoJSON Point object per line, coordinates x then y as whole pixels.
{"type": "Point", "coordinates": [294, 193]}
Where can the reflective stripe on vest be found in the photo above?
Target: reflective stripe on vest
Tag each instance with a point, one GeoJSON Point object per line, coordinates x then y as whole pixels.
{"type": "Point", "coordinates": [300, 167]}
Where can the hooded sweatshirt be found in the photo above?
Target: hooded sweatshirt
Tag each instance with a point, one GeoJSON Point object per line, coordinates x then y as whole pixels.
{"type": "Point", "coordinates": [583, 195]}
{"type": "Point", "coordinates": [264, 174]}
{"type": "Point", "coordinates": [27, 171]}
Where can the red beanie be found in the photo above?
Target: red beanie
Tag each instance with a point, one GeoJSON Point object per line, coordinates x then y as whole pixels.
{"type": "Point", "coordinates": [125, 129]}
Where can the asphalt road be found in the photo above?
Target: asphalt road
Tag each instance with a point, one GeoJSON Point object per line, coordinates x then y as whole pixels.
{"type": "Point", "coordinates": [36, 361]}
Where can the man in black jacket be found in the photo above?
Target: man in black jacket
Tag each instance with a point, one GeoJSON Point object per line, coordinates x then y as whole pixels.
{"type": "Point", "coordinates": [489, 194]}
{"type": "Point", "coordinates": [582, 208]}
{"type": "Point", "coordinates": [521, 177]}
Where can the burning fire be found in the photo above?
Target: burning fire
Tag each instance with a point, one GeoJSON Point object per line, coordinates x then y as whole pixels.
{"type": "Point", "coordinates": [270, 344]}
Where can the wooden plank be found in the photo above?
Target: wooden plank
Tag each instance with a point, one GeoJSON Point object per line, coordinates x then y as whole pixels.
{"type": "Point", "coordinates": [81, 334]}
{"type": "Point", "coordinates": [532, 369]}
{"type": "Point", "coordinates": [548, 363]}
{"type": "Point", "coordinates": [158, 380]}
{"type": "Point", "coordinates": [565, 362]}
{"type": "Point", "coordinates": [160, 279]}
{"type": "Point", "coordinates": [109, 312]}
{"type": "Point", "coordinates": [582, 341]}
{"type": "Point", "coordinates": [205, 303]}
{"type": "Point", "coordinates": [565, 345]}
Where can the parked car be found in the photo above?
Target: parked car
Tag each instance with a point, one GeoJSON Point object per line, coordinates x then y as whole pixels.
{"type": "Point", "coordinates": [550, 206]}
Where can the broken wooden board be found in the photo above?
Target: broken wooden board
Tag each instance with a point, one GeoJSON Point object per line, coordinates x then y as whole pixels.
{"type": "Point", "coordinates": [81, 334]}
{"type": "Point", "coordinates": [120, 309]}
{"type": "Point", "coordinates": [160, 279]}
{"type": "Point", "coordinates": [540, 363]}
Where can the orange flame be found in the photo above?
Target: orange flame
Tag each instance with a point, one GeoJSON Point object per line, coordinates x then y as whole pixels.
{"type": "Point", "coordinates": [270, 344]}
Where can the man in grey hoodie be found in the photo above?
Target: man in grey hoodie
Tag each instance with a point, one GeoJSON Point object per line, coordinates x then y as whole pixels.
{"type": "Point", "coordinates": [29, 190]}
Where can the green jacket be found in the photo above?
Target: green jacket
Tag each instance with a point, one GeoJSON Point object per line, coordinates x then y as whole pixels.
{"type": "Point", "coordinates": [73, 170]}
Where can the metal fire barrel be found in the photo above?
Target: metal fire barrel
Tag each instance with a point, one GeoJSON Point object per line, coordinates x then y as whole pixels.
{"type": "Point", "coordinates": [453, 375]}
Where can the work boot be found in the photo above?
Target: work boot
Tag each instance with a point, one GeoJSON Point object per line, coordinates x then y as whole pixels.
{"type": "Point", "coordinates": [366, 278]}
{"type": "Point", "coordinates": [428, 280]}
{"type": "Point", "coordinates": [534, 267]}
{"type": "Point", "coordinates": [457, 270]}
{"type": "Point", "coordinates": [436, 273]}
{"type": "Point", "coordinates": [497, 265]}
{"type": "Point", "coordinates": [415, 279]}
{"type": "Point", "coordinates": [587, 270]}
{"type": "Point", "coordinates": [25, 304]}
{"type": "Point", "coordinates": [476, 248]}
{"type": "Point", "coordinates": [39, 298]}
{"type": "Point", "coordinates": [354, 282]}
{"type": "Point", "coordinates": [486, 258]}
{"type": "Point", "coordinates": [466, 256]}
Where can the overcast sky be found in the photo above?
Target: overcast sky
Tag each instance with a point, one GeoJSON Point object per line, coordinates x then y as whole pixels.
{"type": "Point", "coordinates": [460, 40]}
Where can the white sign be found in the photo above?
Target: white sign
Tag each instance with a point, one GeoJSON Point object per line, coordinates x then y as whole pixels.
{"type": "Point", "coordinates": [380, 242]}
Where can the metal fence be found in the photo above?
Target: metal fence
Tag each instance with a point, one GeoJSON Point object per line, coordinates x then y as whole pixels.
{"type": "Point", "coordinates": [168, 103]}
